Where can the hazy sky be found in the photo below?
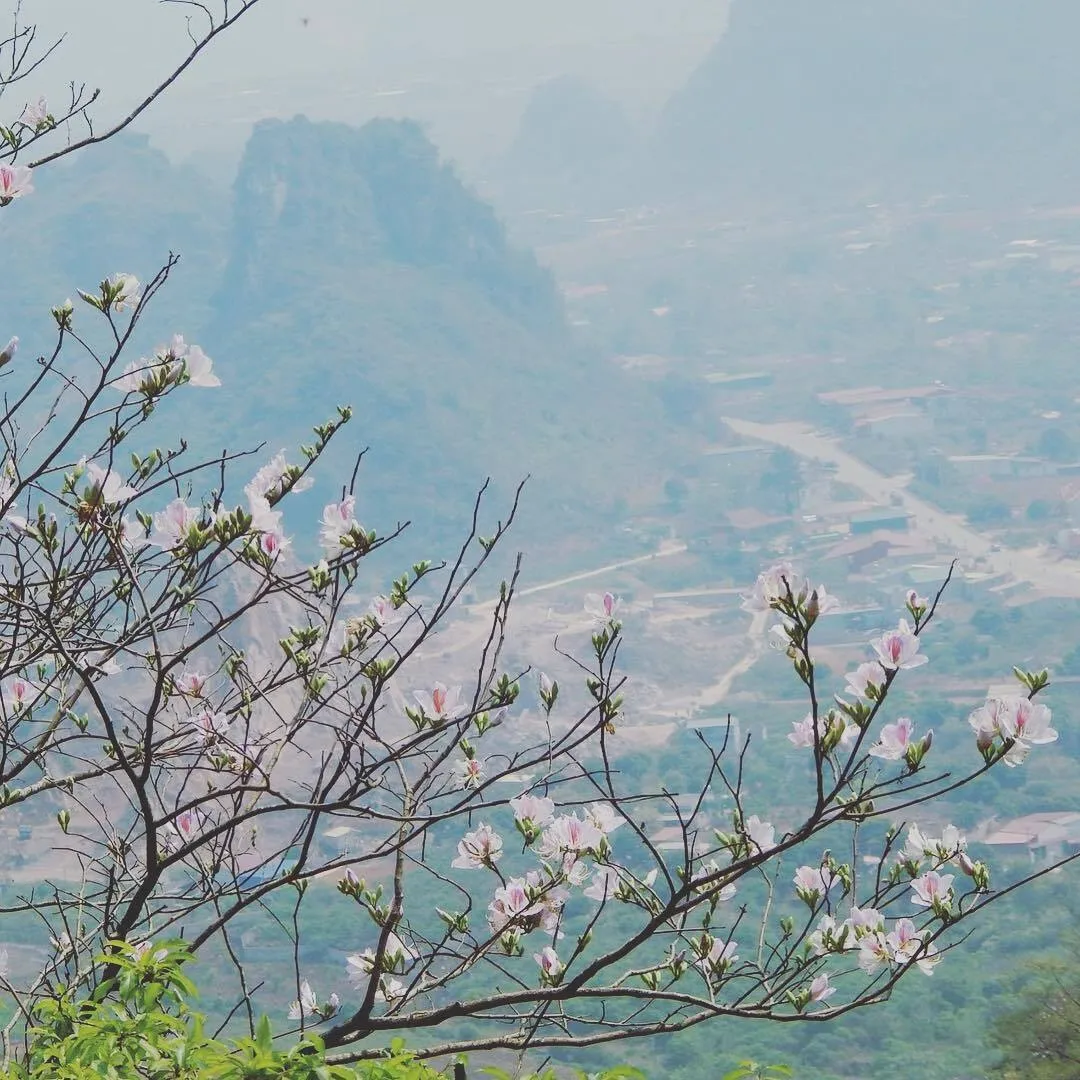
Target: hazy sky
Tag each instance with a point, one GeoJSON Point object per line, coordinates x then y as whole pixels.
{"type": "Point", "coordinates": [465, 66]}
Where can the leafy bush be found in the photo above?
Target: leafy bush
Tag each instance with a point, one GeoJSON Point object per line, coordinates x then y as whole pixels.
{"type": "Point", "coordinates": [137, 1023]}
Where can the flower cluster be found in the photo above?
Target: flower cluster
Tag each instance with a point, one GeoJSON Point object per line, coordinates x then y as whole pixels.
{"type": "Point", "coordinates": [574, 852]}
{"type": "Point", "coordinates": [781, 589]}
{"type": "Point", "coordinates": [175, 364]}
{"type": "Point", "coordinates": [1006, 728]}
{"type": "Point", "coordinates": [948, 849]}
{"type": "Point", "coordinates": [865, 932]}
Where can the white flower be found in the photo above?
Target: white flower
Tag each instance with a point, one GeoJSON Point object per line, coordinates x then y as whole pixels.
{"type": "Point", "coordinates": [772, 586]}
{"type": "Point", "coordinates": [390, 990]}
{"type": "Point", "coordinates": [569, 835]}
{"type": "Point", "coordinates": [802, 733]}
{"type": "Point", "coordinates": [396, 956]}
{"type": "Point", "coordinates": [536, 809]}
{"type": "Point", "coordinates": [820, 989]}
{"type": "Point", "coordinates": [894, 740]}
{"type": "Point", "coordinates": [711, 869]}
{"type": "Point", "coordinates": [915, 602]}
{"type": "Point", "coordinates": [469, 771]}
{"type": "Point", "coordinates": [190, 683]}
{"type": "Point", "coordinates": [1016, 720]}
{"type": "Point", "coordinates": [916, 845]}
{"type": "Point", "coordinates": [905, 941]}
{"type": "Point", "coordinates": [932, 889]}
{"type": "Point", "coordinates": [359, 966]}
{"type": "Point", "coordinates": [826, 937]}
{"type": "Point", "coordinates": [952, 843]}
{"type": "Point", "coordinates": [481, 847]}
{"type": "Point", "coordinates": [141, 949]}
{"type": "Point", "coordinates": [605, 883]}
{"type": "Point", "coordinates": [307, 1005]}
{"type": "Point", "coordinates": [338, 521]}
{"type": "Point", "coordinates": [899, 649]}
{"type": "Point", "coordinates": [141, 376]}
{"type": "Point", "coordinates": [874, 950]}
{"type": "Point", "coordinates": [1026, 721]}
{"type": "Point", "coordinates": [812, 882]}
{"type": "Point", "coordinates": [183, 829]}
{"type": "Point", "coordinates": [761, 835]}
{"type": "Point", "coordinates": [604, 817]}
{"type": "Point", "coordinates": [264, 519]}
{"type": "Point", "coordinates": [18, 693]}
{"type": "Point", "coordinates": [199, 368]}
{"type": "Point", "coordinates": [383, 611]}
{"type": "Point", "coordinates": [550, 965]}
{"type": "Point", "coordinates": [126, 291]}
{"type": "Point", "coordinates": [35, 115]}
{"type": "Point", "coordinates": [106, 486]}
{"type": "Point", "coordinates": [15, 181]}
{"type": "Point", "coordinates": [719, 958]}
{"type": "Point", "coordinates": [511, 905]}
{"type": "Point", "coordinates": [864, 921]}
{"type": "Point", "coordinates": [272, 542]}
{"type": "Point", "coordinates": [267, 481]}
{"type": "Point", "coordinates": [174, 524]}
{"type": "Point", "coordinates": [132, 535]}
{"type": "Point", "coordinates": [866, 680]}
{"type": "Point", "coordinates": [209, 726]}
{"type": "Point", "coordinates": [441, 702]}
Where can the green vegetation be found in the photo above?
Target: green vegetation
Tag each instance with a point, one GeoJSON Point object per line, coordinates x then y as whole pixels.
{"type": "Point", "coordinates": [139, 1023]}
{"type": "Point", "coordinates": [1039, 1037]}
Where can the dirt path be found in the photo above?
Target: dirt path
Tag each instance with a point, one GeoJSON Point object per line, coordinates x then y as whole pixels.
{"type": "Point", "coordinates": [712, 695]}
{"type": "Point", "coordinates": [665, 550]}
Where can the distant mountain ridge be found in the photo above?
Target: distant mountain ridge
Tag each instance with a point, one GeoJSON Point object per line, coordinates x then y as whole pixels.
{"type": "Point", "coordinates": [889, 97]}
{"type": "Point", "coordinates": [573, 145]}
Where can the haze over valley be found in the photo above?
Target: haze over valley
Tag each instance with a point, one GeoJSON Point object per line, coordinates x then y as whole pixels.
{"type": "Point", "coordinates": [791, 281]}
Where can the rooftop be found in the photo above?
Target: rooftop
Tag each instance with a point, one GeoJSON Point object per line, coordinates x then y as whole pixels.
{"type": "Point", "coordinates": [1037, 830]}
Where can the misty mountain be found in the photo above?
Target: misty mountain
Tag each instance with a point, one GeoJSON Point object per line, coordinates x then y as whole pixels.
{"type": "Point", "coordinates": [361, 270]}
{"type": "Point", "coordinates": [124, 207]}
{"type": "Point", "coordinates": [573, 145]}
{"type": "Point", "coordinates": [895, 97]}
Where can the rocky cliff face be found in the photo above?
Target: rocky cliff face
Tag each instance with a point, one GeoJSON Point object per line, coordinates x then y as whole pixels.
{"type": "Point", "coordinates": [362, 271]}
{"type": "Point", "coordinates": [908, 97]}
{"type": "Point", "coordinates": [345, 198]}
